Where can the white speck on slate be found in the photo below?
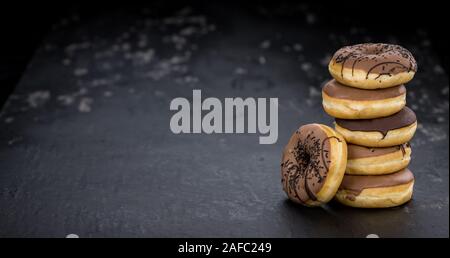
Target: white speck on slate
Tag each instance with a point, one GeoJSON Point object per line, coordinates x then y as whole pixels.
{"type": "Point", "coordinates": [438, 69]}
{"type": "Point", "coordinates": [440, 108]}
{"type": "Point", "coordinates": [212, 27]}
{"type": "Point", "coordinates": [159, 93]}
{"type": "Point", "coordinates": [432, 133]}
{"type": "Point", "coordinates": [262, 60]}
{"type": "Point", "coordinates": [15, 140]}
{"type": "Point", "coordinates": [142, 42]}
{"type": "Point", "coordinates": [313, 92]}
{"type": "Point", "coordinates": [9, 120]}
{"type": "Point", "coordinates": [70, 49]}
{"type": "Point", "coordinates": [188, 31]}
{"type": "Point", "coordinates": [435, 178]}
{"type": "Point", "coordinates": [107, 94]}
{"type": "Point", "coordinates": [177, 40]}
{"type": "Point", "coordinates": [297, 47]}
{"type": "Point", "coordinates": [115, 48]}
{"type": "Point", "coordinates": [66, 100]}
{"type": "Point", "coordinates": [406, 209]}
{"type": "Point", "coordinates": [372, 236]}
{"type": "Point", "coordinates": [66, 61]}
{"type": "Point", "coordinates": [240, 71]}
{"type": "Point", "coordinates": [100, 82]}
{"type": "Point", "coordinates": [105, 66]}
{"type": "Point", "coordinates": [72, 236]}
{"type": "Point", "coordinates": [85, 105]}
{"type": "Point", "coordinates": [38, 98]}
{"type": "Point", "coordinates": [82, 91]}
{"type": "Point", "coordinates": [187, 79]}
{"type": "Point", "coordinates": [14, 96]}
{"type": "Point", "coordinates": [180, 59]}
{"type": "Point", "coordinates": [80, 71]}
{"type": "Point", "coordinates": [265, 44]}
{"type": "Point", "coordinates": [190, 79]}
{"type": "Point", "coordinates": [306, 67]}
{"type": "Point", "coordinates": [158, 74]}
{"type": "Point", "coordinates": [311, 18]}
{"type": "Point", "coordinates": [126, 47]}
{"type": "Point", "coordinates": [143, 57]}
{"type": "Point", "coordinates": [125, 35]}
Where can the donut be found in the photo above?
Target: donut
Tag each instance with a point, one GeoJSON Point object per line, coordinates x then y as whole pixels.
{"type": "Point", "coordinates": [352, 103]}
{"type": "Point", "coordinates": [381, 191]}
{"type": "Point", "coordinates": [387, 131]}
{"type": "Point", "coordinates": [373, 66]}
{"type": "Point", "coordinates": [313, 164]}
{"type": "Point", "coordinates": [377, 161]}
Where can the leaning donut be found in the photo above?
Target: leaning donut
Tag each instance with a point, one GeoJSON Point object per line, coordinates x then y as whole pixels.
{"type": "Point", "coordinates": [373, 66]}
{"type": "Point", "coordinates": [313, 164]}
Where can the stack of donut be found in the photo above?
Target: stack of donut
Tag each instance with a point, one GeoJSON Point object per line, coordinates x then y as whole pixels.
{"type": "Point", "coordinates": [363, 161]}
{"type": "Point", "coordinates": [367, 98]}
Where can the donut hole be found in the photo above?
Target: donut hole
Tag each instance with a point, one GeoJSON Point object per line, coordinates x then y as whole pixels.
{"type": "Point", "coordinates": [304, 157]}
{"type": "Point", "coordinates": [307, 159]}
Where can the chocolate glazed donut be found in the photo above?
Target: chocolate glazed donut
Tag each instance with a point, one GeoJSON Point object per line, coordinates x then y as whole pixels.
{"type": "Point", "coordinates": [373, 66]}
{"type": "Point", "coordinates": [313, 153]}
{"type": "Point", "coordinates": [377, 161]}
{"type": "Point", "coordinates": [346, 102]}
{"type": "Point", "coordinates": [387, 131]}
{"type": "Point", "coordinates": [380, 191]}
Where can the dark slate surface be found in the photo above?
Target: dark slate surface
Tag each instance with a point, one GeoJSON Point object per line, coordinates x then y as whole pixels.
{"type": "Point", "coordinates": [85, 144]}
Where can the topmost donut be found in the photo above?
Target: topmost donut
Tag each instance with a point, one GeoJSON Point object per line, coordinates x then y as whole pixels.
{"type": "Point", "coordinates": [373, 65]}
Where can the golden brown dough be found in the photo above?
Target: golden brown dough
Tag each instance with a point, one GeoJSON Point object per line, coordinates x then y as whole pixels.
{"type": "Point", "coordinates": [377, 161]}
{"type": "Point", "coordinates": [313, 164]}
{"type": "Point", "coordinates": [347, 108]}
{"type": "Point", "coordinates": [379, 191]}
{"type": "Point", "coordinates": [373, 66]}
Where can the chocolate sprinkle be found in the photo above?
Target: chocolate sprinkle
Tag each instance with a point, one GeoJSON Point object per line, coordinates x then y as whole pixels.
{"type": "Point", "coordinates": [305, 164]}
{"type": "Point", "coordinates": [377, 58]}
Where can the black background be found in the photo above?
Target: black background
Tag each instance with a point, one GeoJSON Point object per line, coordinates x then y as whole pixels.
{"type": "Point", "coordinates": [24, 25]}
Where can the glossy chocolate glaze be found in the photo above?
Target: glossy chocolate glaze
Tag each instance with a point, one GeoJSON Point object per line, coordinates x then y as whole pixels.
{"type": "Point", "coordinates": [403, 118]}
{"type": "Point", "coordinates": [337, 90]}
{"type": "Point", "coordinates": [356, 184]}
{"type": "Point", "coordinates": [357, 151]}
{"type": "Point", "coordinates": [305, 161]}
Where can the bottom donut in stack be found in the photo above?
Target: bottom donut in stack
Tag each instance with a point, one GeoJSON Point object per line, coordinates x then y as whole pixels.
{"type": "Point", "coordinates": [378, 155]}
